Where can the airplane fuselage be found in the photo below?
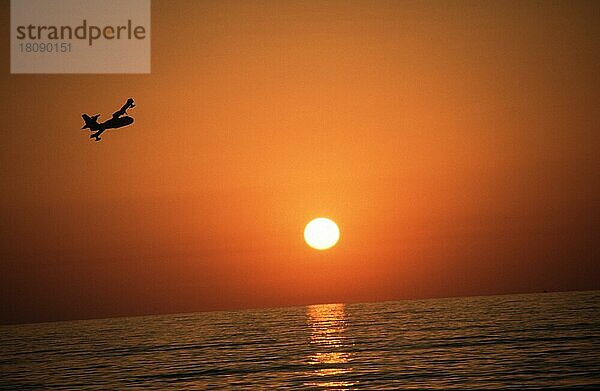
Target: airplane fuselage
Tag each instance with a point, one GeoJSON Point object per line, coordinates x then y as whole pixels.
{"type": "Point", "coordinates": [114, 123]}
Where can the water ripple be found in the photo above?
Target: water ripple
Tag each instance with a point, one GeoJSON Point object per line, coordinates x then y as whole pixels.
{"type": "Point", "coordinates": [515, 341]}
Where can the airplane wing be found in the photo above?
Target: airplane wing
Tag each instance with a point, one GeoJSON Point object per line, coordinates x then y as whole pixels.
{"type": "Point", "coordinates": [123, 110]}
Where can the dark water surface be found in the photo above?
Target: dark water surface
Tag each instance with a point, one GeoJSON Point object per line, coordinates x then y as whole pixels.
{"type": "Point", "coordinates": [533, 340]}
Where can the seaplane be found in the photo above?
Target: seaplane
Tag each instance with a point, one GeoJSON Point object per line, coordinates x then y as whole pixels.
{"type": "Point", "coordinates": [118, 120]}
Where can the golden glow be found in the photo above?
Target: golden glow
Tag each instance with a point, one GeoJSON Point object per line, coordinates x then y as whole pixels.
{"type": "Point", "coordinates": [321, 233]}
{"type": "Point", "coordinates": [327, 339]}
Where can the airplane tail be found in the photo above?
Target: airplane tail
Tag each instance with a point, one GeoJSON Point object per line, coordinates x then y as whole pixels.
{"type": "Point", "coordinates": [90, 122]}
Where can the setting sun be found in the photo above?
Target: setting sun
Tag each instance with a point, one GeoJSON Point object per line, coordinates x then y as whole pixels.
{"type": "Point", "coordinates": [321, 233]}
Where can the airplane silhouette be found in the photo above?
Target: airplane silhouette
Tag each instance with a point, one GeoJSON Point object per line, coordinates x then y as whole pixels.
{"type": "Point", "coordinates": [116, 121]}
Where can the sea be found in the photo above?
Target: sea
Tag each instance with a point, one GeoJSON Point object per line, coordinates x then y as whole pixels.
{"type": "Point", "coordinates": [545, 340]}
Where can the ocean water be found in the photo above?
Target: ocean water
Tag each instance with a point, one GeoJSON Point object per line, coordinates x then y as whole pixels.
{"type": "Point", "coordinates": [510, 341]}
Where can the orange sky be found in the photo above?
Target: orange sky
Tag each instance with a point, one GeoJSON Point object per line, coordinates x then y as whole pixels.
{"type": "Point", "coordinates": [455, 144]}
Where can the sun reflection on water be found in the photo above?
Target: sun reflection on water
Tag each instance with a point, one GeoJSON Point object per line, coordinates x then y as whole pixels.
{"type": "Point", "coordinates": [329, 357]}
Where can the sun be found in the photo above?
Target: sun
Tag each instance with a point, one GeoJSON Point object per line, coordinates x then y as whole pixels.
{"type": "Point", "coordinates": [321, 233]}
